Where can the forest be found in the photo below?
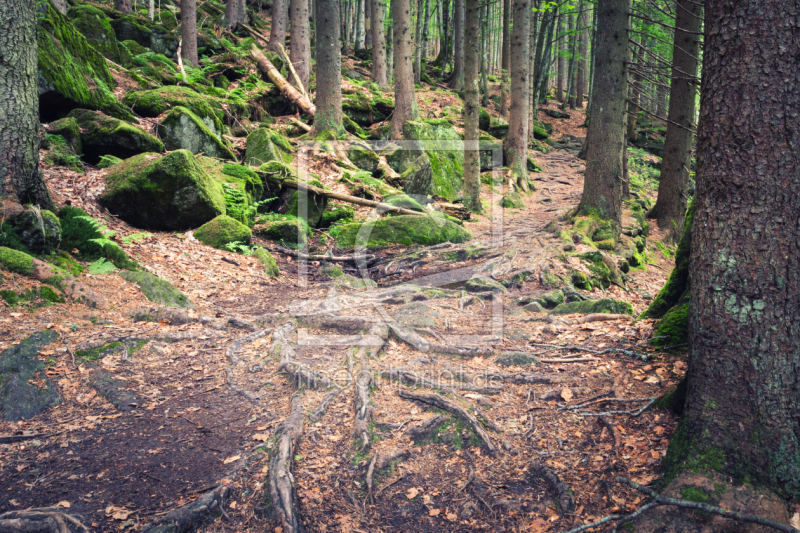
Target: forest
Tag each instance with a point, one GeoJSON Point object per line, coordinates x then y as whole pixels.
{"type": "Point", "coordinates": [399, 265]}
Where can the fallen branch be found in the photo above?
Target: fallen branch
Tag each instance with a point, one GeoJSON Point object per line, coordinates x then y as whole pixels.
{"type": "Point", "coordinates": [601, 317]}
{"type": "Point", "coordinates": [629, 353]}
{"type": "Point", "coordinates": [9, 439]}
{"type": "Point", "coordinates": [42, 520]}
{"type": "Point", "coordinates": [330, 258]}
{"type": "Point", "coordinates": [281, 482]}
{"type": "Point", "coordinates": [565, 499]}
{"type": "Point", "coordinates": [294, 72]}
{"type": "Point", "coordinates": [302, 125]}
{"type": "Point", "coordinates": [445, 404]}
{"type": "Point", "coordinates": [266, 67]}
{"type": "Point", "coordinates": [633, 414]}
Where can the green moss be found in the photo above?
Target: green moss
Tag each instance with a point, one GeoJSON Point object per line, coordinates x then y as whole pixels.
{"type": "Point", "coordinates": [65, 262]}
{"type": "Point", "coordinates": [339, 214]}
{"type": "Point", "coordinates": [604, 305]}
{"type": "Point", "coordinates": [78, 233]}
{"type": "Point", "coordinates": [686, 453]}
{"type": "Point", "coordinates": [94, 24]}
{"type": "Point", "coordinates": [447, 159]}
{"type": "Point", "coordinates": [404, 201]}
{"type": "Point", "coordinates": [49, 295]}
{"type": "Point", "coordinates": [157, 290]}
{"type": "Point", "coordinates": [266, 259]}
{"type": "Point", "coordinates": [404, 229]}
{"type": "Point", "coordinates": [61, 154]}
{"type": "Point", "coordinates": [10, 297]}
{"type": "Point", "coordinates": [107, 135]}
{"type": "Point", "coordinates": [675, 399]}
{"type": "Point", "coordinates": [264, 145]}
{"type": "Point", "coordinates": [182, 129]}
{"type": "Point", "coordinates": [221, 231]}
{"type": "Point", "coordinates": [96, 354]}
{"type": "Point", "coordinates": [16, 261]}
{"type": "Point", "coordinates": [154, 102]}
{"type": "Point", "coordinates": [672, 329]}
{"type": "Point", "coordinates": [286, 229]}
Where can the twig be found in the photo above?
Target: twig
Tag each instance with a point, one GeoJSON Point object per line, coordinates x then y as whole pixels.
{"type": "Point", "coordinates": [294, 72]}
{"type": "Point", "coordinates": [468, 481]}
{"type": "Point", "coordinates": [633, 414]}
{"type": "Point", "coordinates": [301, 125]}
{"type": "Point", "coordinates": [383, 488]}
{"type": "Point", "coordinates": [530, 428]}
{"type": "Point", "coordinates": [610, 427]}
{"type": "Point", "coordinates": [370, 470]}
{"type": "Point", "coordinates": [601, 400]}
{"type": "Point", "coordinates": [231, 261]}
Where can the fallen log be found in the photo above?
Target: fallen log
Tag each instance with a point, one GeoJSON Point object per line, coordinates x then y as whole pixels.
{"type": "Point", "coordinates": [282, 492]}
{"type": "Point", "coordinates": [269, 70]}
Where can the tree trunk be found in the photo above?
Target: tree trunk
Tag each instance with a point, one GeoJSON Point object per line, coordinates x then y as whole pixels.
{"type": "Point", "coordinates": [472, 61]}
{"type": "Point", "coordinates": [277, 33]}
{"type": "Point", "coordinates": [189, 31]}
{"type": "Point", "coordinates": [484, 55]}
{"type": "Point", "coordinates": [151, 9]}
{"type": "Point", "coordinates": [661, 98]}
{"type": "Point", "coordinates": [329, 75]}
{"type": "Point", "coordinates": [504, 60]}
{"type": "Point", "coordinates": [743, 391]}
{"type": "Point", "coordinates": [671, 204]}
{"type": "Point", "coordinates": [445, 38]}
{"type": "Point", "coordinates": [424, 41]}
{"type": "Point", "coordinates": [562, 57]}
{"type": "Point", "coordinates": [359, 25]}
{"type": "Point", "coordinates": [580, 83]}
{"type": "Point", "coordinates": [234, 13]}
{"type": "Point", "coordinates": [19, 106]}
{"type": "Point", "coordinates": [368, 24]}
{"type": "Point", "coordinates": [379, 67]}
{"type": "Point", "coordinates": [573, 52]}
{"type": "Point", "coordinates": [418, 39]}
{"type": "Point", "coordinates": [61, 5]}
{"type": "Point", "coordinates": [457, 78]}
{"type": "Point", "coordinates": [533, 116]}
{"type": "Point", "coordinates": [405, 100]}
{"type": "Point", "coordinates": [390, 48]}
{"type": "Point", "coordinates": [603, 179]}
{"type": "Point", "coordinates": [123, 6]}
{"type": "Point", "coordinates": [300, 53]}
{"type": "Point", "coordinates": [517, 140]}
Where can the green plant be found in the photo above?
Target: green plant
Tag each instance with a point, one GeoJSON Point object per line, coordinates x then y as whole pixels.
{"type": "Point", "coordinates": [104, 241]}
{"type": "Point", "coordinates": [135, 237]}
{"type": "Point", "coordinates": [236, 205]}
{"type": "Point", "coordinates": [240, 248]}
{"type": "Point", "coordinates": [101, 267]}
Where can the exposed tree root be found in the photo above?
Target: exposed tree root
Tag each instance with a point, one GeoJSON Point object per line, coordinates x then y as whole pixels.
{"type": "Point", "coordinates": [188, 517]}
{"type": "Point", "coordinates": [282, 347]}
{"type": "Point", "coordinates": [443, 403]}
{"type": "Point", "coordinates": [319, 412]}
{"type": "Point", "coordinates": [234, 348]}
{"type": "Point", "coordinates": [603, 421]}
{"type": "Point", "coordinates": [42, 520]}
{"type": "Point", "coordinates": [412, 378]}
{"type": "Point", "coordinates": [565, 499]}
{"type": "Point", "coordinates": [524, 378]}
{"type": "Point", "coordinates": [363, 408]}
{"type": "Point", "coordinates": [283, 495]}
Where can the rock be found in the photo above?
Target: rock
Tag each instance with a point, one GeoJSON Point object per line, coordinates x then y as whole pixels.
{"type": "Point", "coordinates": [260, 148]}
{"type": "Point", "coordinates": [170, 192]}
{"type": "Point", "coordinates": [551, 299]}
{"type": "Point", "coordinates": [148, 34]}
{"type": "Point", "coordinates": [534, 307]}
{"type": "Point", "coordinates": [404, 201]}
{"type": "Point", "coordinates": [68, 129]}
{"type": "Point", "coordinates": [340, 213]}
{"type": "Point", "coordinates": [104, 135]}
{"type": "Point", "coordinates": [182, 129]}
{"type": "Point", "coordinates": [580, 280]}
{"type": "Point", "coordinates": [16, 261]}
{"type": "Point", "coordinates": [346, 280]}
{"type": "Point", "coordinates": [175, 316]}
{"type": "Point", "coordinates": [540, 133]}
{"type": "Point", "coordinates": [604, 305]}
{"type": "Point", "coordinates": [484, 120]}
{"type": "Point", "coordinates": [157, 290]}
{"type": "Point", "coordinates": [516, 359]}
{"type": "Point", "coordinates": [25, 389]}
{"type": "Point", "coordinates": [498, 127]}
{"type": "Point", "coordinates": [444, 147]}
{"type": "Point", "coordinates": [403, 229]}
{"type": "Point", "coordinates": [155, 102]}
{"type": "Point", "coordinates": [96, 27]}
{"type": "Point", "coordinates": [39, 230]}
{"type": "Point", "coordinates": [673, 327]}
{"type": "Point", "coordinates": [270, 265]}
{"type": "Point", "coordinates": [571, 295]}
{"type": "Point", "coordinates": [221, 231]}
{"type": "Point", "coordinates": [71, 72]}
{"type": "Point", "coordinates": [128, 50]}
{"type": "Point", "coordinates": [418, 177]}
{"type": "Point", "coordinates": [288, 230]}
{"type": "Point", "coordinates": [112, 389]}
{"type": "Point", "coordinates": [484, 284]}
{"type": "Point", "coordinates": [108, 161]}
{"type": "Point", "coordinates": [553, 113]}
{"type": "Point", "coordinates": [155, 67]}
{"type": "Point", "coordinates": [363, 158]}
{"type": "Point", "coordinates": [416, 314]}
{"type": "Point", "coordinates": [512, 201]}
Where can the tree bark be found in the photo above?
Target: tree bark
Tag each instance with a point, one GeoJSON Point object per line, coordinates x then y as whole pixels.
{"type": "Point", "coordinates": [743, 386]}
{"type": "Point", "coordinates": [189, 31]}
{"type": "Point", "coordinates": [483, 17]}
{"type": "Point", "coordinates": [19, 105]}
{"type": "Point", "coordinates": [603, 179]}
{"type": "Point", "coordinates": [472, 61]}
{"type": "Point", "coordinates": [123, 5]}
{"type": "Point", "coordinates": [234, 13]}
{"type": "Point", "coordinates": [277, 33]}
{"type": "Point", "coordinates": [457, 77]}
{"type": "Point", "coordinates": [418, 39]}
{"type": "Point", "coordinates": [368, 24]}
{"type": "Point", "coordinates": [151, 9]}
{"type": "Point", "coordinates": [504, 66]}
{"type": "Point", "coordinates": [380, 71]}
{"type": "Point", "coordinates": [405, 100]}
{"type": "Point", "coordinates": [562, 58]}
{"type": "Point", "coordinates": [359, 34]}
{"type": "Point", "coordinates": [517, 140]}
{"type": "Point", "coordinates": [672, 196]}
{"type": "Point", "coordinates": [61, 5]}
{"type": "Point", "coordinates": [329, 64]}
{"type": "Point", "coordinates": [580, 84]}
{"type": "Point", "coordinates": [300, 53]}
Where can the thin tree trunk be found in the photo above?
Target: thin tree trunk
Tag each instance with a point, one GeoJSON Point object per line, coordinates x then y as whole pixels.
{"type": "Point", "coordinates": [543, 66]}
{"type": "Point", "coordinates": [603, 179]}
{"type": "Point", "coordinates": [457, 78]}
{"type": "Point", "coordinates": [517, 140]}
{"type": "Point", "coordinates": [484, 57]}
{"type": "Point", "coordinates": [329, 76]}
{"type": "Point", "coordinates": [346, 36]}
{"type": "Point", "coordinates": [445, 36]}
{"type": "Point", "coordinates": [151, 9]}
{"type": "Point", "coordinates": [379, 67]}
{"type": "Point", "coordinates": [405, 100]}
{"type": "Point", "coordinates": [19, 106]}
{"type": "Point", "coordinates": [533, 116]}
{"type": "Point", "coordinates": [123, 5]}
{"type": "Point", "coordinates": [672, 197]}
{"type": "Point", "coordinates": [359, 34]}
{"type": "Point", "coordinates": [424, 42]}
{"type": "Point", "coordinates": [580, 85]}
{"type": "Point", "coordinates": [743, 391]}
{"type": "Point", "coordinates": [277, 34]}
{"type": "Point", "coordinates": [562, 58]}
{"type": "Point", "coordinates": [189, 31]}
{"type": "Point", "coordinates": [233, 13]}
{"type": "Point", "coordinates": [390, 50]}
{"type": "Point", "coordinates": [472, 60]}
{"type": "Point", "coordinates": [368, 24]}
{"type": "Point", "coordinates": [418, 39]}
{"type": "Point", "coordinates": [300, 53]}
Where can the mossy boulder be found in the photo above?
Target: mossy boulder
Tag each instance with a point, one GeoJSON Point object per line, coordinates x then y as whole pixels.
{"type": "Point", "coordinates": [130, 49]}
{"type": "Point", "coordinates": [16, 261]}
{"type": "Point", "coordinates": [72, 73]}
{"type": "Point", "coordinates": [264, 145]}
{"type": "Point", "coordinates": [363, 158]}
{"type": "Point", "coordinates": [604, 305]}
{"type": "Point", "coordinates": [673, 328]}
{"type": "Point", "coordinates": [484, 284]}
{"type": "Point", "coordinates": [25, 389]}
{"type": "Point", "coordinates": [148, 34]}
{"type": "Point", "coordinates": [418, 177]}
{"type": "Point", "coordinates": [156, 67]}
{"type": "Point", "coordinates": [95, 25]}
{"type": "Point", "coordinates": [404, 201]}
{"type": "Point", "coordinates": [340, 213]}
{"type": "Point", "coordinates": [182, 129]}
{"type": "Point", "coordinates": [39, 230]}
{"type": "Point", "coordinates": [108, 161]}
{"type": "Point", "coordinates": [498, 127]}
{"type": "Point", "coordinates": [512, 201]}
{"type": "Point", "coordinates": [403, 229]}
{"type": "Point", "coordinates": [270, 265]}
{"type": "Point", "coordinates": [104, 135]}
{"type": "Point", "coordinates": [221, 231]}
{"type": "Point", "coordinates": [444, 148]}
{"type": "Point", "coordinates": [241, 185]}
{"type": "Point", "coordinates": [61, 154]}
{"type": "Point", "coordinates": [553, 113]}
{"type": "Point", "coordinates": [484, 120]}
{"type": "Point", "coordinates": [154, 102]}
{"type": "Point", "coordinates": [540, 133]}
{"type": "Point", "coordinates": [170, 192]}
{"type": "Point", "coordinates": [534, 307]}
{"type": "Point", "coordinates": [157, 290]}
{"type": "Point", "coordinates": [305, 205]}
{"type": "Point", "coordinates": [69, 130]}
{"type": "Point", "coordinates": [289, 230]}
{"type": "Point", "coordinates": [551, 299]}
{"type": "Point", "coordinates": [491, 152]}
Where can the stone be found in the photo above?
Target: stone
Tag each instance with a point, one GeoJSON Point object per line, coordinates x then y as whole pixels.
{"type": "Point", "coordinates": [68, 129]}
{"type": "Point", "coordinates": [416, 314]}
{"type": "Point", "coordinates": [553, 113]}
{"type": "Point", "coordinates": [405, 201]}
{"type": "Point", "coordinates": [484, 284]}
{"type": "Point", "coordinates": [182, 129]}
{"type": "Point", "coordinates": [484, 120]}
{"type": "Point", "coordinates": [104, 135]}
{"type": "Point", "coordinates": [418, 177]}
{"type": "Point", "coordinates": [516, 359]}
{"type": "Point", "coordinates": [364, 158]}
{"type": "Point", "coordinates": [221, 231]}
{"type": "Point", "coordinates": [170, 192]}
{"type": "Point", "coordinates": [534, 307]}
{"type": "Point", "coordinates": [604, 305]}
{"type": "Point", "coordinates": [39, 230]}
{"type": "Point", "coordinates": [288, 230]}
{"type": "Point", "coordinates": [155, 102]}
{"type": "Point", "coordinates": [95, 25]}
{"type": "Point", "coordinates": [176, 316]}
{"type": "Point", "coordinates": [498, 127]}
{"type": "Point", "coordinates": [402, 229]}
{"type": "Point", "coordinates": [512, 201]}
{"type": "Point", "coordinates": [260, 148]}
{"type": "Point", "coordinates": [148, 34]}
{"type": "Point", "coordinates": [25, 389]}
{"type": "Point", "coordinates": [443, 146]}
{"type": "Point", "coordinates": [16, 261]}
{"type": "Point", "coordinates": [157, 290]}
{"type": "Point", "coordinates": [551, 299]}
{"type": "Point", "coordinates": [270, 265]}
{"type": "Point", "coordinates": [338, 214]}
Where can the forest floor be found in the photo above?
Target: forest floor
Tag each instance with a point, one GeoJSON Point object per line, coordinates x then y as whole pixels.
{"type": "Point", "coordinates": [204, 401]}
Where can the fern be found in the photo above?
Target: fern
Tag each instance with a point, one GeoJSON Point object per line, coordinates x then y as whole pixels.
{"type": "Point", "coordinates": [101, 266]}
{"type": "Point", "coordinates": [240, 248]}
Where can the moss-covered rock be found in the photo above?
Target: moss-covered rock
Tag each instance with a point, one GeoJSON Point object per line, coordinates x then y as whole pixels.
{"type": "Point", "coordinates": [340, 213]}
{"type": "Point", "coordinates": [95, 25]}
{"type": "Point", "coordinates": [104, 135]}
{"type": "Point", "coordinates": [69, 130]}
{"type": "Point", "coordinates": [343, 279]}
{"type": "Point", "coordinates": [155, 67]}
{"type": "Point", "coordinates": [78, 232]}
{"type": "Point", "coordinates": [484, 284]}
{"type": "Point", "coordinates": [108, 161]}
{"type": "Point", "coordinates": [154, 102]}
{"type": "Point", "coordinates": [182, 129]}
{"type": "Point", "coordinates": [512, 201]}
{"type": "Point", "coordinates": [498, 127]}
{"type": "Point", "coordinates": [534, 307]}
{"type": "Point", "coordinates": [16, 261]}
{"type": "Point", "coordinates": [404, 201]}
{"type": "Point", "coordinates": [25, 389]}
{"type": "Point", "coordinates": [516, 359]}
{"type": "Point", "coordinates": [551, 299]}
{"type": "Point", "coordinates": [363, 158]}
{"type": "Point", "coordinates": [289, 230]}
{"type": "Point", "coordinates": [444, 148]}
{"type": "Point", "coordinates": [270, 265]}
{"type": "Point", "coordinates": [221, 231]}
{"type": "Point", "coordinates": [265, 145]}
{"type": "Point", "coordinates": [484, 120]}
{"type": "Point", "coordinates": [39, 230]}
{"type": "Point", "coordinates": [540, 133]}
{"type": "Point", "coordinates": [61, 154]}
{"type": "Point", "coordinates": [418, 177]}
{"type": "Point", "coordinates": [604, 305]}
{"type": "Point", "coordinates": [148, 34]}
{"type": "Point", "coordinates": [491, 152]}
{"type": "Point", "coordinates": [157, 290]}
{"type": "Point", "coordinates": [170, 193]}
{"type": "Point", "coordinates": [404, 229]}
{"type": "Point", "coordinates": [72, 72]}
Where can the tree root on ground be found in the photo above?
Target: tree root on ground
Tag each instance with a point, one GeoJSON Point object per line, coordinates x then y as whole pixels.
{"type": "Point", "coordinates": [566, 501]}
{"type": "Point", "coordinates": [319, 412]}
{"type": "Point", "coordinates": [412, 378]}
{"type": "Point", "coordinates": [42, 520]}
{"type": "Point", "coordinates": [363, 408]}
{"type": "Point", "coordinates": [188, 517]}
{"type": "Point", "coordinates": [282, 347]}
{"type": "Point", "coordinates": [283, 495]}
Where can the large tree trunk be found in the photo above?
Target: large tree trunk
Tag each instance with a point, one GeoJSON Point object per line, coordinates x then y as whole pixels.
{"type": "Point", "coordinates": [517, 140]}
{"type": "Point", "coordinates": [123, 6]}
{"type": "Point", "coordinates": [234, 13]}
{"type": "Point", "coordinates": [605, 140]}
{"type": "Point", "coordinates": [380, 70]}
{"type": "Point", "coordinates": [277, 33]}
{"type": "Point", "coordinates": [329, 64]}
{"type": "Point", "coordinates": [19, 106]}
{"type": "Point", "coordinates": [504, 57]}
{"type": "Point", "coordinates": [457, 77]}
{"type": "Point", "coordinates": [743, 388]}
{"type": "Point", "coordinates": [368, 24]}
{"type": "Point", "coordinates": [472, 61]}
{"type": "Point", "coordinates": [189, 31]}
{"type": "Point", "coordinates": [300, 53]}
{"type": "Point", "coordinates": [405, 100]}
{"type": "Point", "coordinates": [671, 204]}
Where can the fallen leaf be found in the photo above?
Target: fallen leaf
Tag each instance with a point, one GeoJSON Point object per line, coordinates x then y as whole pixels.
{"type": "Point", "coordinates": [652, 380]}
{"type": "Point", "coordinates": [794, 522]}
{"type": "Point", "coordinates": [92, 418]}
{"type": "Point", "coordinates": [451, 516]}
{"type": "Point", "coordinates": [434, 512]}
{"type": "Point", "coordinates": [566, 394]}
{"type": "Point", "coordinates": [412, 493]}
{"type": "Point", "coordinates": [15, 503]}
{"type": "Point", "coordinates": [64, 503]}
{"type": "Point", "coordinates": [118, 513]}
{"type": "Point", "coordinates": [263, 437]}
{"type": "Point", "coordinates": [232, 459]}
